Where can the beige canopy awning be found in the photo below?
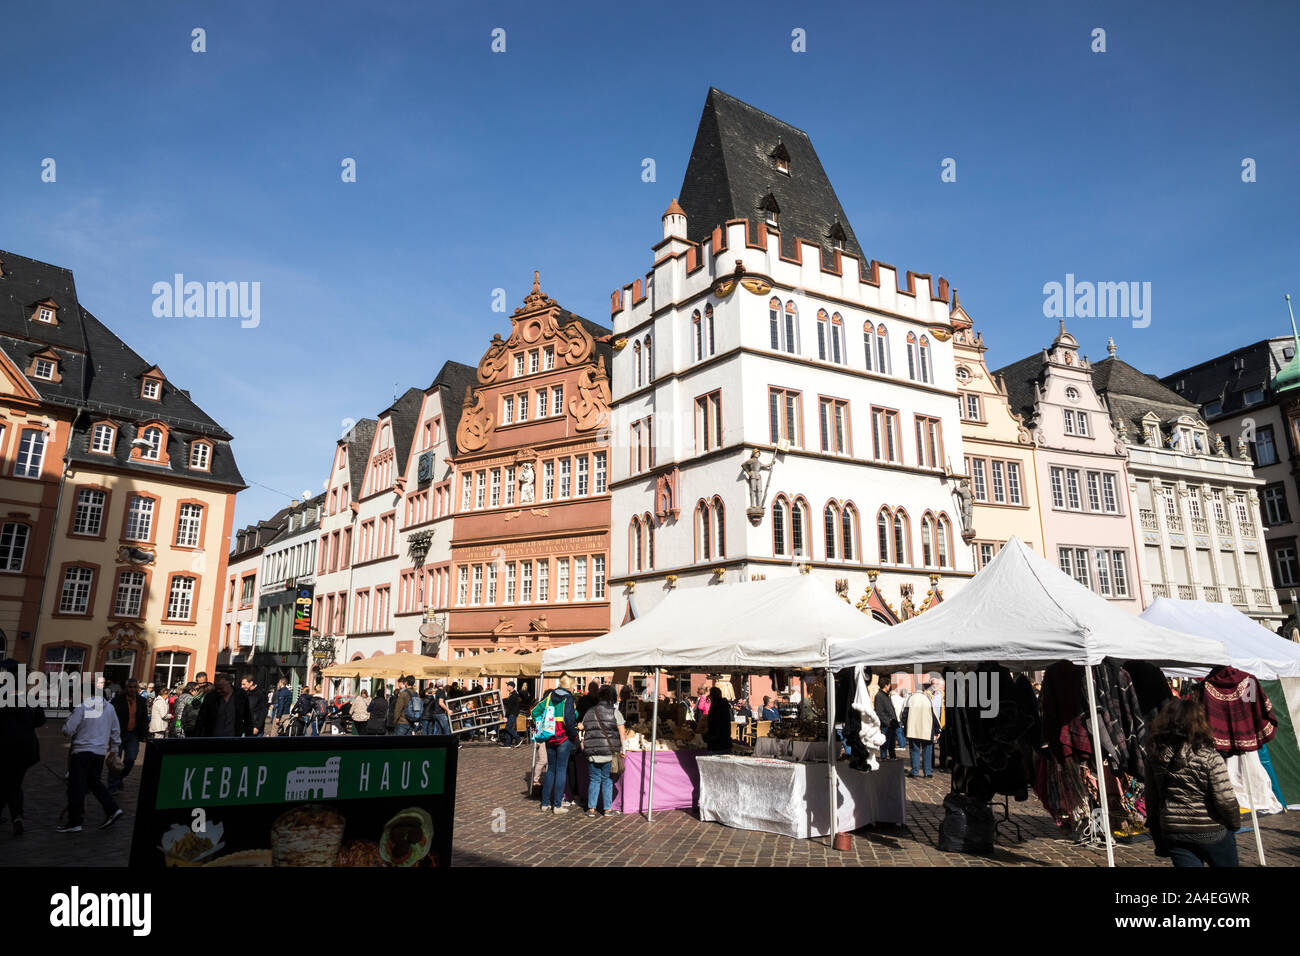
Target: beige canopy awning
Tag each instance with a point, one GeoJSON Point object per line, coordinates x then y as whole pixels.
{"type": "Point", "coordinates": [386, 665]}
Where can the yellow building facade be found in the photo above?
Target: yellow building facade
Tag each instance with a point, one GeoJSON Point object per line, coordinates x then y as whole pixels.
{"type": "Point", "coordinates": [999, 452]}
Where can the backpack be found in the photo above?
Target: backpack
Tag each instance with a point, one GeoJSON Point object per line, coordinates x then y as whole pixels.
{"type": "Point", "coordinates": [414, 708]}
{"type": "Point", "coordinates": [318, 705]}
{"type": "Point", "coordinates": [549, 724]}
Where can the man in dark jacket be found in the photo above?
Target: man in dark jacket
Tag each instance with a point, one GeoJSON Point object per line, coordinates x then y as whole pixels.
{"type": "Point", "coordinates": [587, 700]}
{"type": "Point", "coordinates": [888, 721]}
{"type": "Point", "coordinates": [19, 749]}
{"type": "Point", "coordinates": [133, 717]}
{"type": "Point", "coordinates": [224, 712]}
{"type": "Point", "coordinates": [283, 704]}
{"type": "Point", "coordinates": [258, 705]}
{"type": "Point", "coordinates": [509, 736]}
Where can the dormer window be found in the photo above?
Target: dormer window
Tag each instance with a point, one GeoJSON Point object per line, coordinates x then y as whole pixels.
{"type": "Point", "coordinates": [771, 211]}
{"type": "Point", "coordinates": [200, 455]}
{"type": "Point", "coordinates": [837, 236]}
{"type": "Point", "coordinates": [46, 366]}
{"type": "Point", "coordinates": [1213, 409]}
{"type": "Point", "coordinates": [102, 439]}
{"type": "Point", "coordinates": [45, 315]}
{"type": "Point", "coordinates": [151, 389]}
{"type": "Point", "coordinates": [45, 311]}
{"type": "Point", "coordinates": [154, 439]}
{"type": "Point", "coordinates": [781, 158]}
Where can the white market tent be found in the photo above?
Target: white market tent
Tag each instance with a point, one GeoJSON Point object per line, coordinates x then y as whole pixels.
{"type": "Point", "coordinates": [1256, 650]}
{"type": "Point", "coordinates": [754, 625]}
{"type": "Point", "coordinates": [1023, 612]}
{"type": "Point", "coordinates": [1252, 647]}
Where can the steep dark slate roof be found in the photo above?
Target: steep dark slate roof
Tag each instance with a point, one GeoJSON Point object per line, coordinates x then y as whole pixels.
{"type": "Point", "coordinates": [101, 375]}
{"type": "Point", "coordinates": [359, 440]}
{"type": "Point", "coordinates": [1020, 378]}
{"type": "Point", "coordinates": [1227, 377]}
{"type": "Point", "coordinates": [405, 417]}
{"type": "Point", "coordinates": [452, 379]}
{"type": "Point", "coordinates": [731, 170]}
{"type": "Point", "coordinates": [1132, 394]}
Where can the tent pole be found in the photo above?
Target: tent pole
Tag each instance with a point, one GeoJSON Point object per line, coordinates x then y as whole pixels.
{"type": "Point", "coordinates": [1101, 772]}
{"type": "Point", "coordinates": [532, 773]}
{"type": "Point", "coordinates": [1254, 820]}
{"type": "Point", "coordinates": [832, 776]}
{"type": "Point", "coordinates": [654, 745]}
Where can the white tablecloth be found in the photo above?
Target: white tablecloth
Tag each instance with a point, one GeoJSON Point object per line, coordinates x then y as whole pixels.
{"type": "Point", "coordinates": [794, 798]}
{"type": "Point", "coordinates": [796, 749]}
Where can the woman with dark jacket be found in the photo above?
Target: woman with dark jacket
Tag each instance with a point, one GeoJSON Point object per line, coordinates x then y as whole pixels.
{"type": "Point", "coordinates": [602, 740]}
{"type": "Point", "coordinates": [717, 730]}
{"type": "Point", "coordinates": [377, 722]}
{"type": "Point", "coordinates": [888, 721]}
{"type": "Point", "coordinates": [1192, 811]}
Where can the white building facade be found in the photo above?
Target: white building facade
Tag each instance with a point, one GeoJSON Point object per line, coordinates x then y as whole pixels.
{"type": "Point", "coordinates": [840, 377]}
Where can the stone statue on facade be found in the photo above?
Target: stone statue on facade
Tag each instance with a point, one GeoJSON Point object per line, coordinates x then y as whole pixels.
{"type": "Point", "coordinates": [1219, 448]}
{"type": "Point", "coordinates": [526, 479]}
{"type": "Point", "coordinates": [753, 470]}
{"type": "Point", "coordinates": [966, 508]}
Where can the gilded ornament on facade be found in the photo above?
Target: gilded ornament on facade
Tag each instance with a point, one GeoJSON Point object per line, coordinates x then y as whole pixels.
{"type": "Point", "coordinates": [757, 286]}
{"type": "Point", "coordinates": [476, 422]}
{"type": "Point", "coordinates": [724, 288]}
{"type": "Point", "coordinates": [942, 335]}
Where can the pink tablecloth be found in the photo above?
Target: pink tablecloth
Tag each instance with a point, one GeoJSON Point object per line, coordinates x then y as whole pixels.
{"type": "Point", "coordinates": [677, 781]}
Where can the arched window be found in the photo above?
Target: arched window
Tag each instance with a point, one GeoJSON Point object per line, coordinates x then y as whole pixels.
{"type": "Point", "coordinates": [649, 361]}
{"type": "Point", "coordinates": [774, 322]}
{"type": "Point", "coordinates": [911, 356]}
{"type": "Point", "coordinates": [837, 339]}
{"type": "Point", "coordinates": [884, 522]}
{"type": "Point", "coordinates": [927, 540]}
{"type": "Point", "coordinates": [719, 528]}
{"type": "Point", "coordinates": [710, 338]}
{"type": "Point", "coordinates": [876, 345]}
{"type": "Point", "coordinates": [697, 335]}
{"type": "Point", "coordinates": [902, 538]}
{"type": "Point", "coordinates": [780, 512]}
{"type": "Point", "coordinates": [823, 335]}
{"type": "Point", "coordinates": [703, 551]}
{"type": "Point", "coordinates": [943, 540]}
{"type": "Point", "coordinates": [848, 531]}
{"type": "Point", "coordinates": [927, 370]}
{"type": "Point", "coordinates": [831, 525]}
{"type": "Point", "coordinates": [634, 543]}
{"type": "Point", "coordinates": [799, 529]}
{"type": "Point", "coordinates": [791, 329]}
{"type": "Point", "coordinates": [649, 525]}
{"type": "Point", "coordinates": [636, 358]}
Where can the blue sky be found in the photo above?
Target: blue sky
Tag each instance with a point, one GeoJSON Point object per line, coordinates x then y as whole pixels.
{"type": "Point", "coordinates": [475, 168]}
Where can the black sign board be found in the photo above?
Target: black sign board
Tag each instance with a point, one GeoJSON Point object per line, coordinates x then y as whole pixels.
{"type": "Point", "coordinates": [296, 801]}
{"type": "Point", "coordinates": [302, 611]}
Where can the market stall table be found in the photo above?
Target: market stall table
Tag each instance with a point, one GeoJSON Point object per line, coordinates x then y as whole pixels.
{"type": "Point", "coordinates": [677, 781]}
{"type": "Point", "coordinates": [802, 750]}
{"type": "Point", "coordinates": [780, 796]}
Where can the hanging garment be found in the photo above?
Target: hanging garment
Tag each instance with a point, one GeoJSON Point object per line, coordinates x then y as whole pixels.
{"type": "Point", "coordinates": [1150, 685]}
{"type": "Point", "coordinates": [1241, 715]}
{"type": "Point", "coordinates": [1119, 714]}
{"type": "Point", "coordinates": [869, 735]}
{"type": "Point", "coordinates": [1065, 729]}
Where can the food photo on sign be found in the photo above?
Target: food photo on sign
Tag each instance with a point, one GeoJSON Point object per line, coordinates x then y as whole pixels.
{"type": "Point", "coordinates": [249, 802]}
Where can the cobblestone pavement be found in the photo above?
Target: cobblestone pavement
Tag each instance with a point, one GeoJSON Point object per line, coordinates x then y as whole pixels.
{"type": "Point", "coordinates": [491, 796]}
